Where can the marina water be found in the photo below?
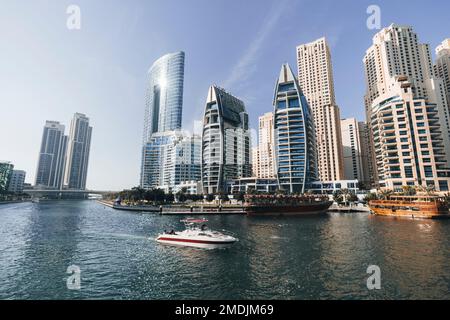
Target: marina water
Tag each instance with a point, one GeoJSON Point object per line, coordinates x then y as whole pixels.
{"type": "Point", "coordinates": [276, 258]}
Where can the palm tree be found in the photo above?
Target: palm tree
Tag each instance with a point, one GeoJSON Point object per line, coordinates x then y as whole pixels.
{"type": "Point", "coordinates": [447, 199]}
{"type": "Point", "coordinates": [409, 190]}
{"type": "Point", "coordinates": [370, 196]}
{"type": "Point", "coordinates": [385, 194]}
{"type": "Point", "coordinates": [430, 190]}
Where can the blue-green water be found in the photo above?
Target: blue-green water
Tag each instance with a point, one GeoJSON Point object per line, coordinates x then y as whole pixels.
{"type": "Point", "coordinates": [276, 258]}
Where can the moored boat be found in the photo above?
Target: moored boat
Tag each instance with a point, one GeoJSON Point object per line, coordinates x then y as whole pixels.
{"type": "Point", "coordinates": [424, 207]}
{"type": "Point", "coordinates": [289, 205]}
{"type": "Point", "coordinates": [197, 235]}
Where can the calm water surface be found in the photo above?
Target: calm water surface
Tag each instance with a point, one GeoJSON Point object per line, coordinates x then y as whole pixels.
{"type": "Point", "coordinates": [276, 258]}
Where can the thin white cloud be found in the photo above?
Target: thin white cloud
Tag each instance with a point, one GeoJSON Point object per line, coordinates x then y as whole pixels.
{"type": "Point", "coordinates": [246, 64]}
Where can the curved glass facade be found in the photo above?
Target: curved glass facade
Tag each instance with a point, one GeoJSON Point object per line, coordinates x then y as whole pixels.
{"type": "Point", "coordinates": [164, 98]}
{"type": "Point", "coordinates": [295, 145]}
{"type": "Point", "coordinates": [163, 107]}
{"type": "Point", "coordinates": [225, 141]}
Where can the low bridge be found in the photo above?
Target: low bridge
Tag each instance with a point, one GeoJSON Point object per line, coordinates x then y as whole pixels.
{"type": "Point", "coordinates": [64, 194]}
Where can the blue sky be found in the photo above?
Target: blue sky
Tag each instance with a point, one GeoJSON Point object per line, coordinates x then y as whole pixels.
{"type": "Point", "coordinates": [48, 72]}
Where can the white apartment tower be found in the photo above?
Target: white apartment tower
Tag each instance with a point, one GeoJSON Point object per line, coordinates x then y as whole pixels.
{"type": "Point", "coordinates": [442, 66]}
{"type": "Point", "coordinates": [263, 155]}
{"type": "Point", "coordinates": [395, 52]}
{"type": "Point", "coordinates": [315, 76]}
{"type": "Point", "coordinates": [407, 112]}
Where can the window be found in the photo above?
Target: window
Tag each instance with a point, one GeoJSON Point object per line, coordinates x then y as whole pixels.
{"type": "Point", "coordinates": [428, 171]}
{"type": "Point", "coordinates": [294, 103]}
{"type": "Point", "coordinates": [281, 104]}
{"type": "Point", "coordinates": [286, 87]}
{"type": "Point", "coordinates": [443, 185]}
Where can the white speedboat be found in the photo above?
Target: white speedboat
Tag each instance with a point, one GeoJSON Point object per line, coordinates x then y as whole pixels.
{"type": "Point", "coordinates": [197, 235]}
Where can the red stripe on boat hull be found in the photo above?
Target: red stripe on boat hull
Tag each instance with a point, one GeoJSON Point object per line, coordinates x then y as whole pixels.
{"type": "Point", "coordinates": [194, 241]}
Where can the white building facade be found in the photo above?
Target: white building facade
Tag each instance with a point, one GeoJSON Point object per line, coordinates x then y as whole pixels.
{"type": "Point", "coordinates": [264, 153]}
{"type": "Point", "coordinates": [406, 111]}
{"type": "Point", "coordinates": [315, 76]}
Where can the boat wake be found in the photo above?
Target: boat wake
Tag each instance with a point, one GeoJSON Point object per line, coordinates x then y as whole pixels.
{"type": "Point", "coordinates": [278, 238]}
{"type": "Point", "coordinates": [124, 236]}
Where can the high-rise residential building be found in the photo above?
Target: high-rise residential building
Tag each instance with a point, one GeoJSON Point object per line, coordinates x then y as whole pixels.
{"type": "Point", "coordinates": [78, 152]}
{"type": "Point", "coordinates": [395, 52]}
{"type": "Point", "coordinates": [315, 75]}
{"type": "Point", "coordinates": [50, 168]}
{"type": "Point", "coordinates": [407, 139]}
{"type": "Point", "coordinates": [402, 87]}
{"type": "Point", "coordinates": [163, 105]}
{"type": "Point", "coordinates": [264, 154]}
{"type": "Point", "coordinates": [442, 66]}
{"type": "Point", "coordinates": [171, 158]}
{"type": "Point", "coordinates": [17, 181]}
{"type": "Point", "coordinates": [226, 141]}
{"type": "Point", "coordinates": [294, 135]}
{"type": "Point", "coordinates": [352, 149]}
{"type": "Point", "coordinates": [6, 171]}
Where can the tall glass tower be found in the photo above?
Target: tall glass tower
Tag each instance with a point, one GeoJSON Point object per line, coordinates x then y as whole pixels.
{"type": "Point", "coordinates": [50, 168]}
{"type": "Point", "coordinates": [78, 152]}
{"type": "Point", "coordinates": [294, 133]}
{"type": "Point", "coordinates": [163, 106]}
{"type": "Point", "coordinates": [164, 99]}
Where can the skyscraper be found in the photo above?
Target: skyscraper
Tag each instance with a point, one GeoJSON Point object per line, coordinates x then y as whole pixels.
{"type": "Point", "coordinates": [407, 141]}
{"type": "Point", "coordinates": [352, 149]}
{"type": "Point", "coordinates": [294, 135]}
{"type": "Point", "coordinates": [225, 141]}
{"type": "Point", "coordinates": [442, 66]}
{"type": "Point", "coordinates": [163, 106]}
{"type": "Point", "coordinates": [50, 168]}
{"type": "Point", "coordinates": [78, 152]}
{"type": "Point", "coordinates": [263, 154]}
{"type": "Point", "coordinates": [164, 99]}
{"type": "Point", "coordinates": [396, 52]}
{"type": "Point", "coordinates": [406, 112]}
{"type": "Point", "coordinates": [315, 75]}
